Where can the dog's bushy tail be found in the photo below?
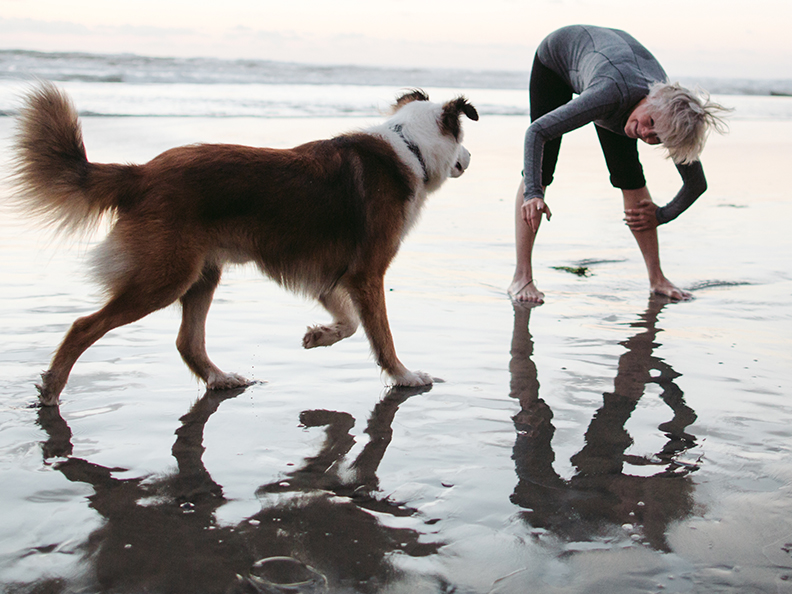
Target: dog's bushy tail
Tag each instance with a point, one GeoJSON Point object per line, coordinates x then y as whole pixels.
{"type": "Point", "coordinates": [54, 181]}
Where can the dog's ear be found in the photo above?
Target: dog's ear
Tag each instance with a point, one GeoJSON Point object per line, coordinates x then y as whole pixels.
{"type": "Point", "coordinates": [408, 97]}
{"type": "Point", "coordinates": [449, 121]}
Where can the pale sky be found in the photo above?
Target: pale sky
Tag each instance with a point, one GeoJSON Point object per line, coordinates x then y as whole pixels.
{"type": "Point", "coordinates": [723, 38]}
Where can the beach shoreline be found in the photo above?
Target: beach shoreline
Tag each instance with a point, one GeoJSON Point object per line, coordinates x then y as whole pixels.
{"type": "Point", "coordinates": [519, 471]}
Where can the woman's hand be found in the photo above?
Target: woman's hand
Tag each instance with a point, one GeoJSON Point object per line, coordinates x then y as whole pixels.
{"type": "Point", "coordinates": [532, 212]}
{"type": "Point", "coordinates": [643, 217]}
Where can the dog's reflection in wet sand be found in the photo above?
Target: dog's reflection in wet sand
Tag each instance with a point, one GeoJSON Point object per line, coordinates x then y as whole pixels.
{"type": "Point", "coordinates": [161, 534]}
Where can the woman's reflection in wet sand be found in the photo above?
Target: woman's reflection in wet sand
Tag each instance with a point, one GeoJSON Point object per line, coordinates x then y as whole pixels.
{"type": "Point", "coordinates": [601, 496]}
{"type": "Point", "coordinates": [161, 534]}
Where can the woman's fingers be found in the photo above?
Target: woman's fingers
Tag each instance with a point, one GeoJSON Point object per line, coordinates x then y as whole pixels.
{"type": "Point", "coordinates": [532, 213]}
{"type": "Point", "coordinates": [642, 217]}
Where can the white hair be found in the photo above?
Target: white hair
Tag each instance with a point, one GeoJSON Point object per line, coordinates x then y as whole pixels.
{"type": "Point", "coordinates": [683, 119]}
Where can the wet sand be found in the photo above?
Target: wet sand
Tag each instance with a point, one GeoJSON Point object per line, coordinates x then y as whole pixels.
{"type": "Point", "coordinates": [604, 441]}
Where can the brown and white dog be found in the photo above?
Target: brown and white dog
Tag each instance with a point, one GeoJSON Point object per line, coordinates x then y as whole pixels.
{"type": "Point", "coordinates": [324, 219]}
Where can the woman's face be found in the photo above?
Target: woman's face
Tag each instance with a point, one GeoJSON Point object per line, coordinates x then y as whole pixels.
{"type": "Point", "coordinates": [641, 124]}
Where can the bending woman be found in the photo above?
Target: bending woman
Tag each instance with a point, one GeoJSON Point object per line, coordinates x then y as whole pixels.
{"type": "Point", "coordinates": [622, 88]}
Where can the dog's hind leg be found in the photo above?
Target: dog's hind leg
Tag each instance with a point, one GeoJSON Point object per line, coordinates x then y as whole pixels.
{"type": "Point", "coordinates": [345, 320]}
{"type": "Point", "coordinates": [191, 341]}
{"type": "Point", "coordinates": [126, 307]}
{"type": "Point", "coordinates": [368, 294]}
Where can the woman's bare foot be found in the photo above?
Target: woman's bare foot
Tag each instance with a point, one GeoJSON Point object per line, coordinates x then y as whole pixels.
{"type": "Point", "coordinates": [525, 291]}
{"type": "Point", "coordinates": [670, 290]}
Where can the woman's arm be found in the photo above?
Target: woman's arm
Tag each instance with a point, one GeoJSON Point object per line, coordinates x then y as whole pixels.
{"type": "Point", "coordinates": [647, 215]}
{"type": "Point", "coordinates": [694, 184]}
{"type": "Point", "coordinates": [532, 210]}
{"type": "Point", "coordinates": [595, 103]}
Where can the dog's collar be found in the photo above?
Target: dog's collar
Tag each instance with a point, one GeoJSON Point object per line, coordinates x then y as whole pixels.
{"type": "Point", "coordinates": [413, 149]}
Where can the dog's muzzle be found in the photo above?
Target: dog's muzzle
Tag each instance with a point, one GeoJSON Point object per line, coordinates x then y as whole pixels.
{"type": "Point", "coordinates": [463, 161]}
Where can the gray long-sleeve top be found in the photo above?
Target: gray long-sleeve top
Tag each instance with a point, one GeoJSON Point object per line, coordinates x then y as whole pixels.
{"type": "Point", "coordinates": [610, 72]}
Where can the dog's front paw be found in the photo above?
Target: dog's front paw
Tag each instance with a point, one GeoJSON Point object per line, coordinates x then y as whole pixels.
{"type": "Point", "coordinates": [319, 336]}
{"type": "Point", "coordinates": [227, 381]}
{"type": "Point", "coordinates": [316, 336]}
{"type": "Point", "coordinates": [413, 379]}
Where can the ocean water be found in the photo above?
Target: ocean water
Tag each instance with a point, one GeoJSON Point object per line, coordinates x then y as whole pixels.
{"type": "Point", "coordinates": [606, 441]}
{"type": "Point", "coordinates": [128, 85]}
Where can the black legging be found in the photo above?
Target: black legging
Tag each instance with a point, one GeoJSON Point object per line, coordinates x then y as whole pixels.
{"type": "Point", "coordinates": [549, 91]}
